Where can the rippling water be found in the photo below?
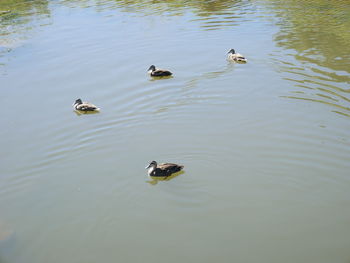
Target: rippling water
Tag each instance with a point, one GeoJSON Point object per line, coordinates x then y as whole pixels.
{"type": "Point", "coordinates": [265, 144]}
{"type": "Point", "coordinates": [317, 62]}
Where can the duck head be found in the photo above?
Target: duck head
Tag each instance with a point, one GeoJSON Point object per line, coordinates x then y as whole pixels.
{"type": "Point", "coordinates": [232, 51]}
{"type": "Point", "coordinates": [151, 69]}
{"type": "Point", "coordinates": [152, 165]}
{"type": "Point", "coordinates": [78, 102]}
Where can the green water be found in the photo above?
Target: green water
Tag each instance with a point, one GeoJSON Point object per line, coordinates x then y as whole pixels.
{"type": "Point", "coordinates": [265, 144]}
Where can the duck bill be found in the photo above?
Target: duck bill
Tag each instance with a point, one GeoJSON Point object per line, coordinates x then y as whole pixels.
{"type": "Point", "coordinates": [148, 166]}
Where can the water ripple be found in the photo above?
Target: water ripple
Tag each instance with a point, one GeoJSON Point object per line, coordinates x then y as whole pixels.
{"type": "Point", "coordinates": [317, 84]}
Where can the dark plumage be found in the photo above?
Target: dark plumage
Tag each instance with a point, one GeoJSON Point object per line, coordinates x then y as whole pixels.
{"type": "Point", "coordinates": [84, 106]}
{"type": "Point", "coordinates": [154, 72]}
{"type": "Point", "coordinates": [163, 169]}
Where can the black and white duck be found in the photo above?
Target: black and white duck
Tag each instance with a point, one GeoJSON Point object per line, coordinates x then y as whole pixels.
{"type": "Point", "coordinates": [163, 169]}
{"type": "Point", "coordinates": [79, 105]}
{"type": "Point", "coordinates": [232, 55]}
{"type": "Point", "coordinates": [156, 72]}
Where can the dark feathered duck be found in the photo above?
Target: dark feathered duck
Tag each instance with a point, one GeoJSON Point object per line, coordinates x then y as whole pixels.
{"type": "Point", "coordinates": [232, 55]}
{"type": "Point", "coordinates": [163, 169]}
{"type": "Point", "coordinates": [156, 72]}
{"type": "Point", "coordinates": [79, 105]}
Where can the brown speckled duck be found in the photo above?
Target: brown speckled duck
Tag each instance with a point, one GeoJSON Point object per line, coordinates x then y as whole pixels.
{"type": "Point", "coordinates": [232, 55]}
{"type": "Point", "coordinates": [154, 72]}
{"type": "Point", "coordinates": [163, 169]}
{"type": "Point", "coordinates": [84, 106]}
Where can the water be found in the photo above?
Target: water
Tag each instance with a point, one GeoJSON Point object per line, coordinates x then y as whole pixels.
{"type": "Point", "coordinates": [265, 144]}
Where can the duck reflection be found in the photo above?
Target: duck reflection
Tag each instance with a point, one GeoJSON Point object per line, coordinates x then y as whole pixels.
{"type": "Point", "coordinates": [155, 179]}
{"type": "Point", "coordinates": [79, 113]}
{"type": "Point", "coordinates": [161, 77]}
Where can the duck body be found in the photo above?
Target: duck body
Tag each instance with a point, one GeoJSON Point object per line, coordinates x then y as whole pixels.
{"type": "Point", "coordinates": [5, 12]}
{"type": "Point", "coordinates": [154, 72]}
{"type": "Point", "coordinates": [79, 105]}
{"type": "Point", "coordinates": [232, 55]}
{"type": "Point", "coordinates": [163, 169]}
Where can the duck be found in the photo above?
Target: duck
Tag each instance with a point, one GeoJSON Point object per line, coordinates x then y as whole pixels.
{"type": "Point", "coordinates": [79, 105]}
{"type": "Point", "coordinates": [163, 169]}
{"type": "Point", "coordinates": [232, 55]}
{"type": "Point", "coordinates": [5, 12]}
{"type": "Point", "coordinates": [154, 72]}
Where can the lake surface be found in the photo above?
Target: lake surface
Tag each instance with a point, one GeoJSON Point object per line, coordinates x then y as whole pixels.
{"type": "Point", "coordinates": [265, 145]}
